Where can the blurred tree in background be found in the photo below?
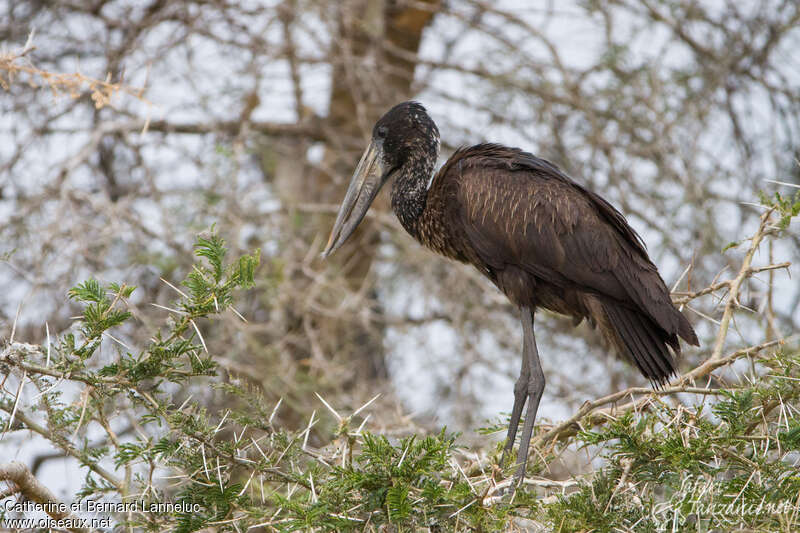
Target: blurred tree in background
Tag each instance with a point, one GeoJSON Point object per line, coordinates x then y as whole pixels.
{"type": "Point", "coordinates": [252, 116]}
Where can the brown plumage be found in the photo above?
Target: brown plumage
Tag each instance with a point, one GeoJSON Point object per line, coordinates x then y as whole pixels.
{"type": "Point", "coordinates": [541, 238]}
{"type": "Point", "coordinates": [546, 241]}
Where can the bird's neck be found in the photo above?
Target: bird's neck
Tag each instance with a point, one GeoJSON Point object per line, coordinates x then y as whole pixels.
{"type": "Point", "coordinates": [410, 191]}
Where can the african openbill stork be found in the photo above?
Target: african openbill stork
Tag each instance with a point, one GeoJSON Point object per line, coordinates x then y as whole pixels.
{"type": "Point", "coordinates": [541, 238]}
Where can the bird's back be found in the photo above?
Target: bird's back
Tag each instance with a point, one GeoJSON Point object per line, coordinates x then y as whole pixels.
{"type": "Point", "coordinates": [546, 241]}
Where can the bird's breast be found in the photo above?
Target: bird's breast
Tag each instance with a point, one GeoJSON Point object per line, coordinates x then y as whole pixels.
{"type": "Point", "coordinates": [436, 234]}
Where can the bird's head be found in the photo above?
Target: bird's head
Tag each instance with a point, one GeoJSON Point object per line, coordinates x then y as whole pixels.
{"type": "Point", "coordinates": [400, 138]}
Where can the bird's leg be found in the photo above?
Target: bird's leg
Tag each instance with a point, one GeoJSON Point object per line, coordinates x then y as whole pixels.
{"type": "Point", "coordinates": [520, 395]}
{"type": "Point", "coordinates": [534, 390]}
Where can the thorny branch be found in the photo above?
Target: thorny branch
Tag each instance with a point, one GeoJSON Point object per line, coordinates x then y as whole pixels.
{"type": "Point", "coordinates": [735, 284]}
{"type": "Point", "coordinates": [590, 413]}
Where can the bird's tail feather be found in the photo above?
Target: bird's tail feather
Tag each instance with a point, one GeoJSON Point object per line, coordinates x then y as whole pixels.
{"type": "Point", "coordinates": [642, 341]}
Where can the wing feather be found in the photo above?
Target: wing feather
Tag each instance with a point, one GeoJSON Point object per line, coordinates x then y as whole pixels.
{"type": "Point", "coordinates": [519, 210]}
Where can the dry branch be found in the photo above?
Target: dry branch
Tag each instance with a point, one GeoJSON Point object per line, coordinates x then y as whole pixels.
{"type": "Point", "coordinates": [72, 84]}
{"type": "Point", "coordinates": [590, 414]}
{"type": "Point", "coordinates": [735, 284]}
{"type": "Point", "coordinates": [31, 488]}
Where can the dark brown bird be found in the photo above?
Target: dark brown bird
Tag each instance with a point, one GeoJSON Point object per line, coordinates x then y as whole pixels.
{"type": "Point", "coordinates": [543, 239]}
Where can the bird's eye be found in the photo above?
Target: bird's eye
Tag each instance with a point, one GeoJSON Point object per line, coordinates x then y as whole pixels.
{"type": "Point", "coordinates": [381, 132]}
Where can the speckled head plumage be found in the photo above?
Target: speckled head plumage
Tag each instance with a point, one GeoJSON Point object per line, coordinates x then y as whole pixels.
{"type": "Point", "coordinates": [406, 132]}
{"type": "Point", "coordinates": [404, 146]}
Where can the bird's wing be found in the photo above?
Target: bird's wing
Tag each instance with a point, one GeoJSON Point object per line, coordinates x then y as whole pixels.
{"type": "Point", "coordinates": [519, 210]}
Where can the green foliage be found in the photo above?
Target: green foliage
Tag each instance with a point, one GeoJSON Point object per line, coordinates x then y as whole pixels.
{"type": "Point", "coordinates": [129, 451]}
{"type": "Point", "coordinates": [100, 314]}
{"type": "Point", "coordinates": [732, 244]}
{"type": "Point", "coordinates": [787, 207]}
{"type": "Point", "coordinates": [790, 439]}
{"type": "Point", "coordinates": [734, 410]}
{"type": "Point", "coordinates": [384, 479]}
{"type": "Point", "coordinates": [596, 507]}
{"type": "Point", "coordinates": [211, 286]}
{"type": "Point", "coordinates": [698, 466]}
{"type": "Point", "coordinates": [213, 500]}
{"type": "Point", "coordinates": [669, 467]}
{"type": "Point", "coordinates": [175, 354]}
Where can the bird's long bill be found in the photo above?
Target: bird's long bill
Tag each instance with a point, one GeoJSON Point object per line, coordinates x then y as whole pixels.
{"type": "Point", "coordinates": [366, 182]}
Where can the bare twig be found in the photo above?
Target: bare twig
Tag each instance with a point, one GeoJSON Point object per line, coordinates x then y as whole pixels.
{"type": "Point", "coordinates": [34, 490]}
{"type": "Point", "coordinates": [736, 283]}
